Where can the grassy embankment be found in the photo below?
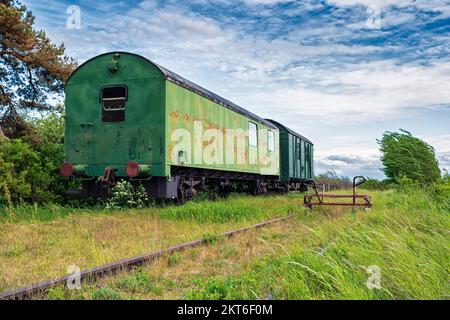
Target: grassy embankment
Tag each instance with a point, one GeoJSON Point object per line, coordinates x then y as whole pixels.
{"type": "Point", "coordinates": [322, 254]}
{"type": "Point", "coordinates": [37, 243]}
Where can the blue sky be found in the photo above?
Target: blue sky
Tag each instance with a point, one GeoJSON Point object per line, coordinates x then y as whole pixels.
{"type": "Point", "coordinates": [317, 66]}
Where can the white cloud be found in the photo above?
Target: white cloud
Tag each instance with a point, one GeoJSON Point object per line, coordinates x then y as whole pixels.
{"type": "Point", "coordinates": [370, 2]}
{"type": "Point", "coordinates": [267, 2]}
{"type": "Point", "coordinates": [441, 143]}
{"type": "Point", "coordinates": [364, 92]}
{"type": "Point", "coordinates": [349, 164]}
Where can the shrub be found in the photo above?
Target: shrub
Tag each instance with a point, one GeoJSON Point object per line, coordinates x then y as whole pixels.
{"type": "Point", "coordinates": [124, 195]}
{"type": "Point", "coordinates": [211, 238]}
{"type": "Point", "coordinates": [441, 190]}
{"type": "Point", "coordinates": [23, 173]}
{"type": "Point", "coordinates": [374, 184]}
{"type": "Point", "coordinates": [29, 166]}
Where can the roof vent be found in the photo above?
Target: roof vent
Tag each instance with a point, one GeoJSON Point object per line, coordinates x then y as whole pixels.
{"type": "Point", "coordinates": [114, 63]}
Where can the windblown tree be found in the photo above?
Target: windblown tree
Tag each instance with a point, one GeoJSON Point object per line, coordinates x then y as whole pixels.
{"type": "Point", "coordinates": [404, 155]}
{"type": "Point", "coordinates": [32, 68]}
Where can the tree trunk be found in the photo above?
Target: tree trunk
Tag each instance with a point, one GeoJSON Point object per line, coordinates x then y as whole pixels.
{"type": "Point", "coordinates": [2, 135]}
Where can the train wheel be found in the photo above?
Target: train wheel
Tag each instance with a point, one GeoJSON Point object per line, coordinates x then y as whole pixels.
{"type": "Point", "coordinates": [224, 188]}
{"type": "Point", "coordinates": [186, 190]}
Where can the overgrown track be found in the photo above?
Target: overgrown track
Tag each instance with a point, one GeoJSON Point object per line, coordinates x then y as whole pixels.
{"type": "Point", "coordinates": [114, 267]}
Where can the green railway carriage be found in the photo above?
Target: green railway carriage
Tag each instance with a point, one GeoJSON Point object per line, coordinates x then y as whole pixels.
{"type": "Point", "coordinates": [127, 117]}
{"type": "Point", "coordinates": [296, 158]}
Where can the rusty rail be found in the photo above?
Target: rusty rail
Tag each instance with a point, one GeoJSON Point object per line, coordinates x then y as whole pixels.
{"type": "Point", "coordinates": [125, 264]}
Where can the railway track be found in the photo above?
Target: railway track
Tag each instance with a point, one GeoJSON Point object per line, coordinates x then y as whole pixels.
{"type": "Point", "coordinates": [121, 265]}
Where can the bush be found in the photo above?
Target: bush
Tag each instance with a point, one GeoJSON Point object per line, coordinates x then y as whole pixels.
{"type": "Point", "coordinates": [441, 190]}
{"type": "Point", "coordinates": [124, 195]}
{"type": "Point", "coordinates": [374, 184]}
{"type": "Point", "coordinates": [23, 174]}
{"type": "Point", "coordinates": [29, 166]}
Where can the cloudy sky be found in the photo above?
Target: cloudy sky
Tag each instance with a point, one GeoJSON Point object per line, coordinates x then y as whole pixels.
{"type": "Point", "coordinates": [339, 72]}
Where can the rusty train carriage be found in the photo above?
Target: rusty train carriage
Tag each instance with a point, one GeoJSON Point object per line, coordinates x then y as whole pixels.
{"type": "Point", "coordinates": [129, 118]}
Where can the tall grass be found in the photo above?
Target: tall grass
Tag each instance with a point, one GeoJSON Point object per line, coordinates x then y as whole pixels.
{"type": "Point", "coordinates": [321, 254]}
{"type": "Point", "coordinates": [233, 209]}
{"type": "Point", "coordinates": [37, 242]}
{"type": "Point", "coordinates": [406, 235]}
{"type": "Point", "coordinates": [43, 213]}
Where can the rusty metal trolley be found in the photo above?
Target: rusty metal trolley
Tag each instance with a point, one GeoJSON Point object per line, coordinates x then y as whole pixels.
{"type": "Point", "coordinates": [358, 200]}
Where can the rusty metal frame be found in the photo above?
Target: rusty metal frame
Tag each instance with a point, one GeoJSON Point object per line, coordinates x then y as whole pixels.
{"type": "Point", "coordinates": [307, 201]}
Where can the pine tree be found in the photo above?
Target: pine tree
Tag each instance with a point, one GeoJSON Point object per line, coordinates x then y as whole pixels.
{"type": "Point", "coordinates": [32, 68]}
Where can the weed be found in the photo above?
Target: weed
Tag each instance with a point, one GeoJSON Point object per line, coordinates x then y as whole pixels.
{"type": "Point", "coordinates": [211, 238]}
{"type": "Point", "coordinates": [404, 236]}
{"type": "Point", "coordinates": [173, 259]}
{"type": "Point", "coordinates": [12, 251]}
{"type": "Point", "coordinates": [136, 281]}
{"type": "Point", "coordinates": [106, 293]}
{"type": "Point", "coordinates": [320, 254]}
{"type": "Point", "coordinates": [125, 195]}
{"type": "Point", "coordinates": [228, 251]}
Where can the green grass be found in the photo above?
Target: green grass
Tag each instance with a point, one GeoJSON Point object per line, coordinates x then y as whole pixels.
{"type": "Point", "coordinates": [44, 213]}
{"type": "Point", "coordinates": [320, 254]}
{"type": "Point", "coordinates": [406, 235]}
{"type": "Point", "coordinates": [37, 243]}
{"type": "Point", "coordinates": [233, 209]}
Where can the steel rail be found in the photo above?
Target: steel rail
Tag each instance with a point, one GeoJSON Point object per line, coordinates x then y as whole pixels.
{"type": "Point", "coordinates": [125, 264]}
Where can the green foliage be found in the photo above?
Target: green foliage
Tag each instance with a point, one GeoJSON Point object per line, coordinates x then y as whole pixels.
{"type": "Point", "coordinates": [374, 184]}
{"type": "Point", "coordinates": [404, 155]}
{"type": "Point", "coordinates": [218, 211]}
{"type": "Point", "coordinates": [441, 190]}
{"type": "Point", "coordinates": [228, 251]}
{"type": "Point", "coordinates": [125, 195]}
{"type": "Point", "coordinates": [243, 208]}
{"type": "Point", "coordinates": [173, 259]}
{"type": "Point", "coordinates": [136, 281]}
{"type": "Point", "coordinates": [23, 173]}
{"type": "Point", "coordinates": [444, 183]}
{"type": "Point", "coordinates": [106, 294]}
{"type": "Point", "coordinates": [32, 68]}
{"type": "Point", "coordinates": [213, 289]}
{"type": "Point", "coordinates": [211, 238]}
{"type": "Point", "coordinates": [57, 293]}
{"type": "Point", "coordinates": [233, 209]}
{"type": "Point", "coordinates": [43, 212]}
{"type": "Point", "coordinates": [405, 235]}
{"type": "Point", "coordinates": [29, 167]}
{"type": "Point", "coordinates": [406, 184]}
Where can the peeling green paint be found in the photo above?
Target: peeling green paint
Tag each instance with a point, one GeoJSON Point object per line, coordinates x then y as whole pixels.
{"type": "Point", "coordinates": [155, 108]}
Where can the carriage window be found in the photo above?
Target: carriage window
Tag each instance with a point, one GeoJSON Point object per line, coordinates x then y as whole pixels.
{"type": "Point", "coordinates": [252, 134]}
{"type": "Point", "coordinates": [113, 101]}
{"type": "Point", "coordinates": [270, 141]}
